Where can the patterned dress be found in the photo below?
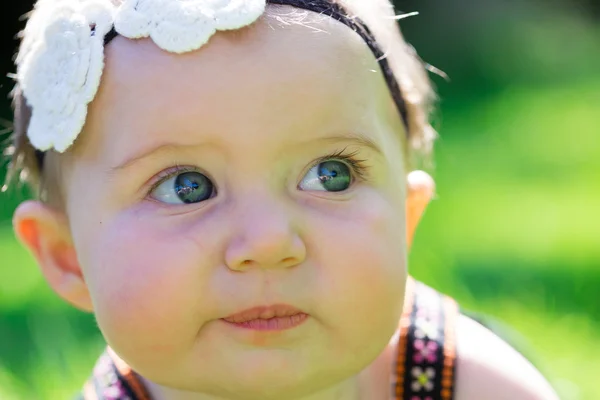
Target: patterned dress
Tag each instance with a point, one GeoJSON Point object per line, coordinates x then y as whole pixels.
{"type": "Point", "coordinates": [425, 359]}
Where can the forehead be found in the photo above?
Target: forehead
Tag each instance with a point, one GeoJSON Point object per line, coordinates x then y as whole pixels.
{"type": "Point", "coordinates": [289, 68]}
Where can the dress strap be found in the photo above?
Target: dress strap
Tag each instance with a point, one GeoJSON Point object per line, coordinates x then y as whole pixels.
{"type": "Point", "coordinates": [113, 379]}
{"type": "Point", "coordinates": [426, 359]}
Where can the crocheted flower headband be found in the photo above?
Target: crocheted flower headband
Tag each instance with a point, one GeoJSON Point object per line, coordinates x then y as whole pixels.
{"type": "Point", "coordinates": [60, 63]}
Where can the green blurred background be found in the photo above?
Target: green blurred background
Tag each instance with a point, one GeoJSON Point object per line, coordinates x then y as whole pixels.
{"type": "Point", "coordinates": [513, 233]}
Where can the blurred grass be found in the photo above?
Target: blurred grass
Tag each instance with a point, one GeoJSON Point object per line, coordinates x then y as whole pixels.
{"type": "Point", "coordinates": [513, 234]}
{"type": "Point", "coordinates": [514, 231]}
{"type": "Point", "coordinates": [47, 348]}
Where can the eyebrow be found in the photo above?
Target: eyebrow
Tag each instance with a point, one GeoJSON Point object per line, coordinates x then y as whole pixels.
{"type": "Point", "coordinates": [144, 154]}
{"type": "Point", "coordinates": [357, 139]}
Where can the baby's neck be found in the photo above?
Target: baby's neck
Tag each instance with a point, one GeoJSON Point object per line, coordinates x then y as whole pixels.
{"type": "Point", "coordinates": [372, 383]}
{"type": "Point", "coordinates": [348, 390]}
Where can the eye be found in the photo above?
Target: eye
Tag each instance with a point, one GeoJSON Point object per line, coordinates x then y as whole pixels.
{"type": "Point", "coordinates": [184, 188]}
{"type": "Point", "coordinates": [329, 176]}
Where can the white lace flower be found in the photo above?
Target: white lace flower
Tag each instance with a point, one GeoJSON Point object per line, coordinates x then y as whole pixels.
{"type": "Point", "coordinates": [60, 67]}
{"type": "Point", "coordinates": [183, 25]}
{"type": "Point", "coordinates": [61, 59]}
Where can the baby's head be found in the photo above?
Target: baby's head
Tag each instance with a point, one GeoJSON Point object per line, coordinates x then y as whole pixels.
{"type": "Point", "coordinates": [267, 166]}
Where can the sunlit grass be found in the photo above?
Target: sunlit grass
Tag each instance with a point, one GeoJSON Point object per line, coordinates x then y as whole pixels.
{"type": "Point", "coordinates": [57, 373]}
{"type": "Point", "coordinates": [565, 347]}
{"type": "Point", "coordinates": [524, 179]}
{"type": "Point", "coordinates": [514, 230]}
{"type": "Point", "coordinates": [513, 234]}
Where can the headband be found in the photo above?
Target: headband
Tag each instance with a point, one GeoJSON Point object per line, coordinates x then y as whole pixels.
{"type": "Point", "coordinates": [60, 63]}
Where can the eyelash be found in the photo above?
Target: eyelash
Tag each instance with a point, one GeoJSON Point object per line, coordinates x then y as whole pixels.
{"type": "Point", "coordinates": [358, 166]}
{"type": "Point", "coordinates": [166, 174]}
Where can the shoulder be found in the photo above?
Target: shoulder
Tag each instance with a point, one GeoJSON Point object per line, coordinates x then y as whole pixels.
{"type": "Point", "coordinates": [442, 351]}
{"type": "Point", "coordinates": [488, 367]}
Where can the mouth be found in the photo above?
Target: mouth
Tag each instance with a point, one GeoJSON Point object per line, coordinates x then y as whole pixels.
{"type": "Point", "coordinates": [268, 318]}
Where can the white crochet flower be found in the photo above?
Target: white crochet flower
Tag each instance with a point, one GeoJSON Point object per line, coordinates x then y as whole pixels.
{"type": "Point", "coordinates": [180, 26]}
{"type": "Point", "coordinates": [60, 66]}
{"type": "Point", "coordinates": [61, 59]}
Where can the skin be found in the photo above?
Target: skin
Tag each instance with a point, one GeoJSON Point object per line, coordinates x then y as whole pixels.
{"type": "Point", "coordinates": [159, 277]}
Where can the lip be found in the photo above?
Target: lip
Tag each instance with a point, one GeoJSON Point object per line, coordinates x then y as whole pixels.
{"type": "Point", "coordinates": [268, 318]}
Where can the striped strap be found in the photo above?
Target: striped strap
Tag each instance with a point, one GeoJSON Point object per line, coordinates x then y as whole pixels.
{"type": "Point", "coordinates": [426, 361]}
{"type": "Point", "coordinates": [113, 379]}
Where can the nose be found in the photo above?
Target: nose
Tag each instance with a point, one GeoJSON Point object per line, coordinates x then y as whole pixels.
{"type": "Point", "coordinates": [265, 237]}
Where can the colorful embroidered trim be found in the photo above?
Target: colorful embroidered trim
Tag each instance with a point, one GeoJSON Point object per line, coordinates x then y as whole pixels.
{"type": "Point", "coordinates": [113, 379]}
{"type": "Point", "coordinates": [426, 360]}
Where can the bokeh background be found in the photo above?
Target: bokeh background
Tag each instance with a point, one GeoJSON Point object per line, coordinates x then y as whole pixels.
{"type": "Point", "coordinates": [514, 232]}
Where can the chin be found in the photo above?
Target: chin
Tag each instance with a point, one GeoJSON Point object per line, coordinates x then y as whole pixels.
{"type": "Point", "coordinates": [273, 390]}
{"type": "Point", "coordinates": [274, 379]}
{"type": "Point", "coordinates": [270, 379]}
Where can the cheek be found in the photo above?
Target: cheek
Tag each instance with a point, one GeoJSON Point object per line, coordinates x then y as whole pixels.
{"type": "Point", "coordinates": [361, 258]}
{"type": "Point", "coordinates": [146, 278]}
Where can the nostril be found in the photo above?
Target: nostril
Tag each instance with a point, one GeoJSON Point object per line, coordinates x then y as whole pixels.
{"type": "Point", "coordinates": [245, 265]}
{"type": "Point", "coordinates": [289, 261]}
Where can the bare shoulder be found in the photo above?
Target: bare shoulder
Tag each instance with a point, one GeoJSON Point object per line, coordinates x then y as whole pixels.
{"type": "Point", "coordinates": [488, 368]}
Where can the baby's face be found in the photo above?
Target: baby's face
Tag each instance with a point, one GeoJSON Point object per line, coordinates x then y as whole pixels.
{"type": "Point", "coordinates": [266, 168]}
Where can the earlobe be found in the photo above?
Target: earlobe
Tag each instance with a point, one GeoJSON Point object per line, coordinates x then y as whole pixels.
{"type": "Point", "coordinates": [420, 190]}
{"type": "Point", "coordinates": [44, 231]}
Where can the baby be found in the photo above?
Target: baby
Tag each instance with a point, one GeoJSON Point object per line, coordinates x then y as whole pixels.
{"type": "Point", "coordinates": [227, 186]}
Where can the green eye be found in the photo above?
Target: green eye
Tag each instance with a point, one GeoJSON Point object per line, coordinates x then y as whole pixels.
{"type": "Point", "coordinates": [184, 188]}
{"type": "Point", "coordinates": [328, 176]}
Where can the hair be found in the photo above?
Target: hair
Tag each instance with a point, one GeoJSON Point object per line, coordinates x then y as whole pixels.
{"type": "Point", "coordinates": [408, 69]}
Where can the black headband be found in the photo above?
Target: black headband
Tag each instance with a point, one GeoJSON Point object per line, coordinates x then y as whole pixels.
{"type": "Point", "coordinates": [333, 10]}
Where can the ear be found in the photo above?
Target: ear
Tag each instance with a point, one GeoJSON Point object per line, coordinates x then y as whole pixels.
{"type": "Point", "coordinates": [45, 232]}
{"type": "Point", "coordinates": [420, 190]}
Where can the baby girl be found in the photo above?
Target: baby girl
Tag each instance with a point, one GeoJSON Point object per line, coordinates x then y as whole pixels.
{"type": "Point", "coordinates": [228, 186]}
